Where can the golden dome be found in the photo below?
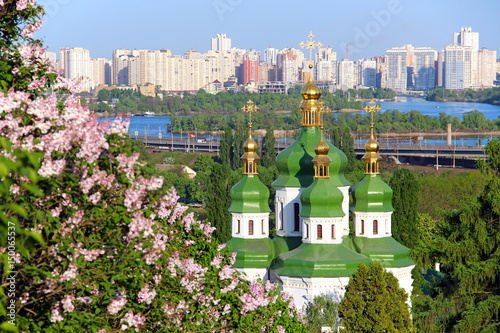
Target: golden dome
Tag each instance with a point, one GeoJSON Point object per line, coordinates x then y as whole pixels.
{"type": "Point", "coordinates": [250, 146]}
{"type": "Point", "coordinates": [322, 147]}
{"type": "Point", "coordinates": [372, 146]}
{"type": "Point", "coordinates": [310, 90]}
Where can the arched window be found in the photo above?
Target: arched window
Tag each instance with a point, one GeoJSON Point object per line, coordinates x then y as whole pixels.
{"type": "Point", "coordinates": [320, 231]}
{"type": "Point", "coordinates": [362, 226]}
{"type": "Point", "coordinates": [307, 231]}
{"type": "Point", "coordinates": [296, 211]}
{"type": "Point", "coordinates": [281, 216]}
{"type": "Point", "coordinates": [239, 230]}
{"type": "Point", "coordinates": [375, 227]}
{"type": "Point", "coordinates": [262, 226]}
{"type": "Point", "coordinates": [250, 167]}
{"type": "Point", "coordinates": [333, 231]}
{"type": "Point", "coordinates": [250, 227]}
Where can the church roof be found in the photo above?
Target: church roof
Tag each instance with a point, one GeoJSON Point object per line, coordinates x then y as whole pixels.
{"type": "Point", "coordinates": [249, 195]}
{"type": "Point", "coordinates": [372, 195]}
{"type": "Point", "coordinates": [295, 163]}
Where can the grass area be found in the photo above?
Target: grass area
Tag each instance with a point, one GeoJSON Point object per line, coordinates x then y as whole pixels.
{"type": "Point", "coordinates": [173, 157]}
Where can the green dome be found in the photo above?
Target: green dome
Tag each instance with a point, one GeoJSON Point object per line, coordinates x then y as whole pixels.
{"type": "Point", "coordinates": [252, 253]}
{"type": "Point", "coordinates": [249, 195]}
{"type": "Point", "coordinates": [322, 199]}
{"type": "Point", "coordinates": [372, 195]}
{"type": "Point", "coordinates": [295, 165]}
{"type": "Point", "coordinates": [318, 260]}
{"type": "Point", "coordinates": [342, 165]}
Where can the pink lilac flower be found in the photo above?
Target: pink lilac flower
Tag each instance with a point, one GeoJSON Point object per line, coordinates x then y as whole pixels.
{"type": "Point", "coordinates": [117, 302]}
{"type": "Point", "coordinates": [132, 320]}
{"type": "Point", "coordinates": [67, 303]}
{"type": "Point", "coordinates": [145, 295]}
{"type": "Point", "coordinates": [56, 313]}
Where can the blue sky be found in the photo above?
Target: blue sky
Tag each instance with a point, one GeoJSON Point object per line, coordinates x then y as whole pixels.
{"type": "Point", "coordinates": [368, 26]}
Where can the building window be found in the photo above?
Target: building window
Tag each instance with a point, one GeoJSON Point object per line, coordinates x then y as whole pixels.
{"type": "Point", "coordinates": [239, 230]}
{"type": "Point", "coordinates": [333, 231]}
{"type": "Point", "coordinates": [362, 226]}
{"type": "Point", "coordinates": [281, 216]}
{"type": "Point", "coordinates": [296, 211]}
{"type": "Point", "coordinates": [307, 231]}
{"type": "Point", "coordinates": [250, 227]}
{"type": "Point", "coordinates": [320, 231]}
{"type": "Point", "coordinates": [262, 226]}
{"type": "Point", "coordinates": [375, 227]}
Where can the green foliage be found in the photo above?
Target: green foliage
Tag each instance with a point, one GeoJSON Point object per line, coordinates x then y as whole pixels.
{"type": "Point", "coordinates": [467, 299]}
{"type": "Point", "coordinates": [225, 148]}
{"type": "Point", "coordinates": [219, 200]}
{"type": "Point", "coordinates": [488, 95]}
{"type": "Point", "coordinates": [374, 302]}
{"type": "Point", "coordinates": [449, 191]}
{"type": "Point", "coordinates": [269, 150]}
{"type": "Point", "coordinates": [322, 312]}
{"type": "Point", "coordinates": [405, 189]}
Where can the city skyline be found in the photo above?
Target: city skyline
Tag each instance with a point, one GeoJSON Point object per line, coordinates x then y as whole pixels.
{"type": "Point", "coordinates": [368, 27]}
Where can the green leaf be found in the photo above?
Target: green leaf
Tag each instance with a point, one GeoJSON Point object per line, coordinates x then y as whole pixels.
{"type": "Point", "coordinates": [8, 327]}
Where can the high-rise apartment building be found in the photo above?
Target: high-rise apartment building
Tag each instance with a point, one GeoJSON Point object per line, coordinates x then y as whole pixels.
{"type": "Point", "coordinates": [101, 71]}
{"type": "Point", "coordinates": [289, 61]}
{"type": "Point", "coordinates": [326, 53]}
{"type": "Point", "coordinates": [397, 72]}
{"type": "Point", "coordinates": [77, 65]}
{"type": "Point", "coordinates": [346, 77]}
{"type": "Point", "coordinates": [457, 67]}
{"type": "Point", "coordinates": [424, 71]}
{"type": "Point", "coordinates": [220, 43]}
{"type": "Point", "coordinates": [325, 71]}
{"type": "Point", "coordinates": [251, 66]}
{"type": "Point", "coordinates": [270, 56]}
{"type": "Point", "coordinates": [440, 69]}
{"type": "Point", "coordinates": [367, 71]}
{"type": "Point", "coordinates": [487, 68]}
{"type": "Point", "coordinates": [466, 37]}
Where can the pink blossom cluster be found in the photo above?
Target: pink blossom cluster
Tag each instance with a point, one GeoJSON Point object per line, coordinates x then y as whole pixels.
{"type": "Point", "coordinates": [117, 302]}
{"type": "Point", "coordinates": [131, 320]}
{"type": "Point", "coordinates": [254, 299]}
{"type": "Point", "coordinates": [145, 295]}
{"type": "Point", "coordinates": [67, 303]}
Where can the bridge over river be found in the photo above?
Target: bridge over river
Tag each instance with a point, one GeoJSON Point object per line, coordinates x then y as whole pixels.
{"type": "Point", "coordinates": [406, 153]}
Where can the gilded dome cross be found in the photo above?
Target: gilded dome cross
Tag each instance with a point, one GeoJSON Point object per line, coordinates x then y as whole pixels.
{"type": "Point", "coordinates": [250, 107]}
{"type": "Point", "coordinates": [311, 44]}
{"type": "Point", "coordinates": [372, 109]}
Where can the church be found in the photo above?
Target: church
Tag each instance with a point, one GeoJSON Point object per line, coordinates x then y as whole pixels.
{"type": "Point", "coordinates": [314, 251]}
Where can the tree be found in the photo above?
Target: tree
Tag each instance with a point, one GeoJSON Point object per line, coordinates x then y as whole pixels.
{"type": "Point", "coordinates": [405, 189]}
{"type": "Point", "coordinates": [219, 200]}
{"type": "Point", "coordinates": [269, 150]}
{"type": "Point", "coordinates": [468, 297]}
{"type": "Point", "coordinates": [237, 149]}
{"type": "Point", "coordinates": [374, 302]}
{"type": "Point", "coordinates": [94, 243]}
{"type": "Point", "coordinates": [322, 312]}
{"type": "Point", "coordinates": [226, 143]}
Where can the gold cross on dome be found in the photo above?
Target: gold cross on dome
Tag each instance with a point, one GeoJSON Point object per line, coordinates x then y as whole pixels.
{"type": "Point", "coordinates": [310, 45]}
{"type": "Point", "coordinates": [372, 109]}
{"type": "Point", "coordinates": [250, 107]}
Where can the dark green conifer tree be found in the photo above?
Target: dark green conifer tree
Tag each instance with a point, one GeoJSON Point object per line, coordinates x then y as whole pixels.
{"type": "Point", "coordinates": [405, 189]}
{"type": "Point", "coordinates": [374, 302]}
{"type": "Point", "coordinates": [219, 200]}
{"type": "Point", "coordinates": [468, 298]}
{"type": "Point", "coordinates": [226, 143]}
{"type": "Point", "coordinates": [269, 150]}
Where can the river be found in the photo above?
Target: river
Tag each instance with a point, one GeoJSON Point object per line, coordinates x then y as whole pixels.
{"type": "Point", "coordinates": [157, 124]}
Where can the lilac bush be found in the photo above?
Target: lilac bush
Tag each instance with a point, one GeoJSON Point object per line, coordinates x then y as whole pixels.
{"type": "Point", "coordinates": [100, 246]}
